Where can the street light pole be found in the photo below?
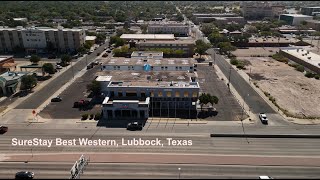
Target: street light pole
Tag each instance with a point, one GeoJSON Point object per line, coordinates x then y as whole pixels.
{"type": "Point", "coordinates": [179, 172]}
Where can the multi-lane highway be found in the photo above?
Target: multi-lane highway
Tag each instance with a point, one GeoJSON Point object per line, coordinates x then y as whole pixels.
{"type": "Point", "coordinates": [45, 170]}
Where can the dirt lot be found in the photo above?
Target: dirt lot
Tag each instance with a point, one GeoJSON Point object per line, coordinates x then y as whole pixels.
{"type": "Point", "coordinates": [293, 91]}
{"type": "Point", "coordinates": [255, 51]}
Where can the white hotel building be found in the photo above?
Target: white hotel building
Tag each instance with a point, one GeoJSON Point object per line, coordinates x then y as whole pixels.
{"type": "Point", "coordinates": [133, 89]}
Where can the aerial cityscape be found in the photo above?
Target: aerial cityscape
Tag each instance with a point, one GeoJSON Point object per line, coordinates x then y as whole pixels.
{"type": "Point", "coordinates": [159, 89]}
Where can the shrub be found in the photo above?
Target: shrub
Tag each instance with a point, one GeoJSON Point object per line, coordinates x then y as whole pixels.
{"type": "Point", "coordinates": [309, 74]}
{"type": "Point", "coordinates": [317, 76]}
{"type": "Point", "coordinates": [300, 68]}
{"type": "Point", "coordinates": [97, 116]}
{"type": "Point", "coordinates": [280, 58]}
{"type": "Point", "coordinates": [84, 116]}
{"type": "Point", "coordinates": [91, 116]}
{"type": "Point", "coordinates": [234, 61]}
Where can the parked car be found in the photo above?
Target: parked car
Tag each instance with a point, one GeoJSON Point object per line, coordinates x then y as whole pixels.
{"type": "Point", "coordinates": [108, 51]}
{"type": "Point", "coordinates": [3, 129]}
{"type": "Point", "coordinates": [134, 126]}
{"type": "Point", "coordinates": [58, 66]}
{"type": "Point", "coordinates": [27, 57]}
{"type": "Point", "coordinates": [263, 118]}
{"type": "Point", "coordinates": [98, 54]}
{"type": "Point", "coordinates": [90, 66]}
{"type": "Point", "coordinates": [75, 56]}
{"type": "Point", "coordinates": [91, 51]}
{"type": "Point", "coordinates": [81, 103]}
{"type": "Point", "coordinates": [24, 175]}
{"type": "Point", "coordinates": [56, 99]}
{"type": "Point", "coordinates": [95, 62]}
{"type": "Point", "coordinates": [105, 55]}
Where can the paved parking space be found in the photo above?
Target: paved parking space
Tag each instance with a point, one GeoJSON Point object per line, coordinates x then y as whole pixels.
{"type": "Point", "coordinates": [75, 92]}
{"type": "Point", "coordinates": [228, 107]}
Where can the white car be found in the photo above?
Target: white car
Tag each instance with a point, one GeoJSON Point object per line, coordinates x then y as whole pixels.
{"type": "Point", "coordinates": [58, 67]}
{"type": "Point", "coordinates": [265, 177]}
{"type": "Point", "coordinates": [263, 118]}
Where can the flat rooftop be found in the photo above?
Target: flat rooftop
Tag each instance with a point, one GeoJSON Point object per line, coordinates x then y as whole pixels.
{"type": "Point", "coordinates": [148, 36]}
{"type": "Point", "coordinates": [91, 38]}
{"type": "Point", "coordinates": [3, 58]}
{"type": "Point", "coordinates": [150, 79]}
{"type": "Point", "coordinates": [39, 28]}
{"type": "Point", "coordinates": [13, 75]}
{"type": "Point", "coordinates": [301, 54]}
{"type": "Point", "coordinates": [178, 41]}
{"type": "Point", "coordinates": [296, 15]}
{"type": "Point", "coordinates": [137, 54]}
{"type": "Point", "coordinates": [153, 62]}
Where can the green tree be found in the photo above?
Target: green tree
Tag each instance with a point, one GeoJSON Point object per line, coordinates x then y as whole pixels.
{"type": "Point", "coordinates": [88, 45]}
{"type": "Point", "coordinates": [207, 28]}
{"type": "Point", "coordinates": [35, 59]}
{"type": "Point", "coordinates": [94, 87]}
{"type": "Point", "coordinates": [201, 47]}
{"type": "Point", "coordinates": [48, 68]}
{"type": "Point", "coordinates": [226, 47]}
{"type": "Point", "coordinates": [65, 59]}
{"type": "Point", "coordinates": [204, 99]}
{"type": "Point", "coordinates": [28, 82]}
{"type": "Point", "coordinates": [100, 38]}
{"type": "Point", "coordinates": [117, 41]}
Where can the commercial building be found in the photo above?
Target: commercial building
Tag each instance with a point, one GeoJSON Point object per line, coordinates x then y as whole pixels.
{"type": "Point", "coordinates": [6, 63]}
{"type": "Point", "coordinates": [260, 10]}
{"type": "Point", "coordinates": [37, 39]}
{"type": "Point", "coordinates": [314, 24]}
{"type": "Point", "coordinates": [140, 94]}
{"type": "Point", "coordinates": [143, 37]}
{"type": "Point", "coordinates": [187, 45]}
{"type": "Point", "coordinates": [10, 82]}
{"type": "Point", "coordinates": [91, 39]}
{"type": "Point", "coordinates": [310, 11]}
{"type": "Point", "coordinates": [294, 19]}
{"type": "Point", "coordinates": [179, 29]}
{"type": "Point", "coordinates": [222, 20]}
{"type": "Point", "coordinates": [214, 15]}
{"type": "Point", "coordinates": [303, 57]}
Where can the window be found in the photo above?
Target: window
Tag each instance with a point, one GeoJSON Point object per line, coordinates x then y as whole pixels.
{"type": "Point", "coordinates": [168, 94]}
{"type": "Point", "coordinates": [177, 94]}
{"type": "Point", "coordinates": [152, 94]}
{"type": "Point", "coordinates": [194, 94]}
{"type": "Point", "coordinates": [160, 94]}
{"type": "Point", "coordinates": [186, 94]}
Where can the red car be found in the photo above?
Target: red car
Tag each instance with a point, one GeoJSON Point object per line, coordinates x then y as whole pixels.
{"type": "Point", "coordinates": [3, 129]}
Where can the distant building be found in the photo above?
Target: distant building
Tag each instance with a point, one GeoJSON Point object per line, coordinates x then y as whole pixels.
{"type": "Point", "coordinates": [222, 20]}
{"type": "Point", "coordinates": [91, 39]}
{"type": "Point", "coordinates": [187, 45]}
{"type": "Point", "coordinates": [179, 29]}
{"type": "Point", "coordinates": [260, 10]}
{"type": "Point", "coordinates": [21, 19]}
{"type": "Point", "coordinates": [37, 39]}
{"type": "Point", "coordinates": [58, 20]}
{"type": "Point", "coordinates": [294, 19]}
{"type": "Point", "coordinates": [310, 11]}
{"type": "Point", "coordinates": [314, 24]}
{"type": "Point", "coordinates": [154, 37]}
{"type": "Point", "coordinates": [6, 63]}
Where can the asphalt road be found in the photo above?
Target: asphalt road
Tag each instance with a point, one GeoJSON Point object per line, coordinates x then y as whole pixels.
{"type": "Point", "coordinates": [228, 109]}
{"type": "Point", "coordinates": [36, 99]}
{"type": "Point", "coordinates": [202, 143]}
{"type": "Point", "coordinates": [162, 171]}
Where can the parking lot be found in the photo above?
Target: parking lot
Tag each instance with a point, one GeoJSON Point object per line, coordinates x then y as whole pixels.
{"type": "Point", "coordinates": [228, 108]}
{"type": "Point", "coordinates": [75, 92]}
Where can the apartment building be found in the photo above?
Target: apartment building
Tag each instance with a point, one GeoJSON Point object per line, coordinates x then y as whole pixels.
{"type": "Point", "coordinates": [37, 39]}
{"type": "Point", "coordinates": [260, 10]}
{"type": "Point", "coordinates": [179, 29]}
{"type": "Point", "coordinates": [314, 24]}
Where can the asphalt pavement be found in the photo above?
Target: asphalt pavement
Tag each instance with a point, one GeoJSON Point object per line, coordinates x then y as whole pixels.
{"type": "Point", "coordinates": [37, 98]}
{"type": "Point", "coordinates": [45, 170]}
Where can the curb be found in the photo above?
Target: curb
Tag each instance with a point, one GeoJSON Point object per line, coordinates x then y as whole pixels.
{"type": "Point", "coordinates": [316, 136]}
